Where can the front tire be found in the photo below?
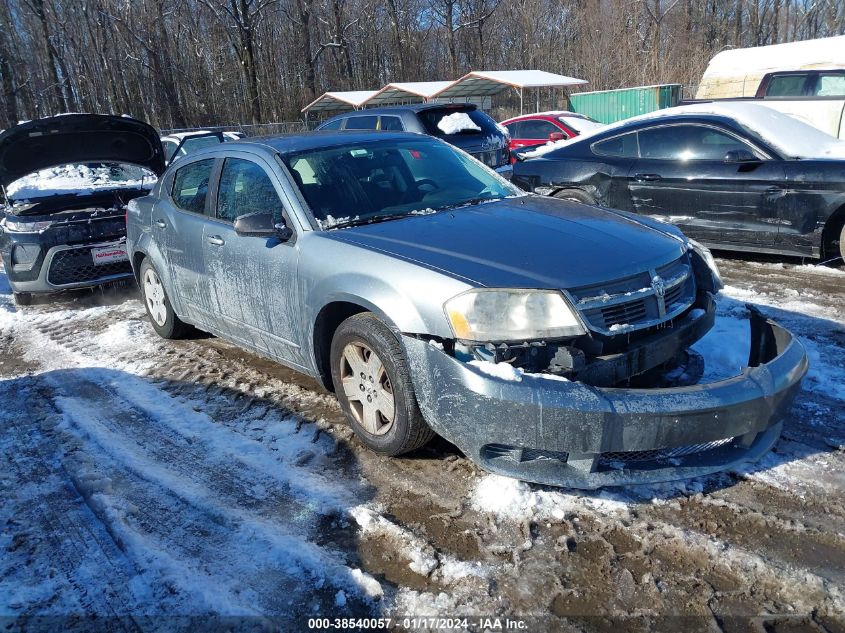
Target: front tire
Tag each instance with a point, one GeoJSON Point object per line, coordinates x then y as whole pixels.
{"type": "Point", "coordinates": [373, 384]}
{"type": "Point", "coordinates": [575, 195]}
{"type": "Point", "coordinates": [162, 317]}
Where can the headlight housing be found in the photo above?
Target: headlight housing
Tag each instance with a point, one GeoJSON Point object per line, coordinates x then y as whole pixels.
{"type": "Point", "coordinates": [505, 314]}
{"type": "Point", "coordinates": [707, 257]}
{"type": "Point", "coordinates": [15, 226]}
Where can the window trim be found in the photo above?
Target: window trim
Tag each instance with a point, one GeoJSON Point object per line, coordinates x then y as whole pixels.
{"type": "Point", "coordinates": [756, 149]}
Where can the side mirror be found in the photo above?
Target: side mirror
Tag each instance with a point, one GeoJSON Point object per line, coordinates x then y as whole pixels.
{"type": "Point", "coordinates": [261, 224]}
{"type": "Point", "coordinates": [740, 156]}
{"type": "Point", "coordinates": [557, 136]}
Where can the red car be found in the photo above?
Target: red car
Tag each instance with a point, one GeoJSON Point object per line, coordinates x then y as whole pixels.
{"type": "Point", "coordinates": [530, 130]}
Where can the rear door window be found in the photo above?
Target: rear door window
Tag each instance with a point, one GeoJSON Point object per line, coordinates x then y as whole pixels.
{"type": "Point", "coordinates": [361, 123]}
{"type": "Point", "coordinates": [246, 188]}
{"type": "Point", "coordinates": [786, 85]}
{"type": "Point", "coordinates": [391, 123]}
{"type": "Point", "coordinates": [622, 146]}
{"type": "Point", "coordinates": [539, 129]}
{"type": "Point", "coordinates": [332, 125]}
{"type": "Point", "coordinates": [190, 185]}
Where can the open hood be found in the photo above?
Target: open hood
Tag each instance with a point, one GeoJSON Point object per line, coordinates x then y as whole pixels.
{"type": "Point", "coordinates": [78, 138]}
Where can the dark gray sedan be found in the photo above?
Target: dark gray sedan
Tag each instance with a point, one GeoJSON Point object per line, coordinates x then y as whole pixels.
{"type": "Point", "coordinates": [547, 339]}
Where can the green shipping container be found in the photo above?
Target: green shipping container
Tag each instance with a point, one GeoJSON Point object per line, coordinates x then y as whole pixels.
{"type": "Point", "coordinates": [609, 106]}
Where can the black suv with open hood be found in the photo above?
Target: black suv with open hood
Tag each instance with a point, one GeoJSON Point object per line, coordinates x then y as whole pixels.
{"type": "Point", "coordinates": [66, 181]}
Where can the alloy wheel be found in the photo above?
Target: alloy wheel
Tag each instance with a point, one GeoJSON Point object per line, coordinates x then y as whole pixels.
{"type": "Point", "coordinates": [154, 295]}
{"type": "Point", "coordinates": [368, 388]}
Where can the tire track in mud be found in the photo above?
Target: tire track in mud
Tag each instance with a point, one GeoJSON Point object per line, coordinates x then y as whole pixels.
{"type": "Point", "coordinates": [76, 558]}
{"type": "Point", "coordinates": [689, 552]}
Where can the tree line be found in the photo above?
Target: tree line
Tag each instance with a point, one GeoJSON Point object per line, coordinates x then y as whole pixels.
{"type": "Point", "coordinates": [185, 63]}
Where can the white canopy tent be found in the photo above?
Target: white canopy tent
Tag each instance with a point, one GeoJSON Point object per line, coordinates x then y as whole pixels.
{"type": "Point", "coordinates": [481, 83]}
{"type": "Point", "coordinates": [334, 101]}
{"type": "Point", "coordinates": [407, 92]}
{"type": "Point", "coordinates": [477, 85]}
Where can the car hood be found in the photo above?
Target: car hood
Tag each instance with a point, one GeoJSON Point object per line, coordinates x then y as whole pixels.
{"type": "Point", "coordinates": [528, 242]}
{"type": "Point", "coordinates": [78, 138]}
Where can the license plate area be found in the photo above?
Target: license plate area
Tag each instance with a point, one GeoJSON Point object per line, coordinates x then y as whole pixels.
{"type": "Point", "coordinates": [110, 254]}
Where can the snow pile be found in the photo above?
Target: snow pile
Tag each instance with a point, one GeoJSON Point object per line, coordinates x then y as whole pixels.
{"type": "Point", "coordinates": [514, 499]}
{"type": "Point", "coordinates": [79, 178]}
{"type": "Point", "coordinates": [456, 123]}
{"type": "Point", "coordinates": [790, 136]}
{"type": "Point", "coordinates": [504, 371]}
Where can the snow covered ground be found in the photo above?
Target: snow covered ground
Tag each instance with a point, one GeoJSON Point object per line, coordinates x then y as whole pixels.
{"type": "Point", "coordinates": [142, 477]}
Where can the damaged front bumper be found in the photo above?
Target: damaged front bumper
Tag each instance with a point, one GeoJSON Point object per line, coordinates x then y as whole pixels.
{"type": "Point", "coordinates": [551, 431]}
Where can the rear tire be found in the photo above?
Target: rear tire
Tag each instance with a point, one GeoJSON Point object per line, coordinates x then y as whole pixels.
{"type": "Point", "coordinates": [841, 247]}
{"type": "Point", "coordinates": [575, 195]}
{"type": "Point", "coordinates": [22, 298]}
{"type": "Point", "coordinates": [372, 382]}
{"type": "Point", "coordinates": [162, 317]}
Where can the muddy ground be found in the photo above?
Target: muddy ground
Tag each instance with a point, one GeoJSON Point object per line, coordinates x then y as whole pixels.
{"type": "Point", "coordinates": [146, 477]}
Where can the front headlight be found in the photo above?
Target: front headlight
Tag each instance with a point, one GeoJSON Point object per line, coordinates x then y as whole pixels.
{"type": "Point", "coordinates": [511, 315]}
{"type": "Point", "coordinates": [14, 226]}
{"type": "Point", "coordinates": [704, 253]}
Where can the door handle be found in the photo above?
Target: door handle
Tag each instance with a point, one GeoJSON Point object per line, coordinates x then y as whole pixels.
{"type": "Point", "coordinates": [161, 224]}
{"type": "Point", "coordinates": [216, 240]}
{"type": "Point", "coordinates": [775, 191]}
{"type": "Point", "coordinates": [646, 177]}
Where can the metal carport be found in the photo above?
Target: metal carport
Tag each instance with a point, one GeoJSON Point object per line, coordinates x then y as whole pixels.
{"type": "Point", "coordinates": [407, 92]}
{"type": "Point", "coordinates": [482, 83]}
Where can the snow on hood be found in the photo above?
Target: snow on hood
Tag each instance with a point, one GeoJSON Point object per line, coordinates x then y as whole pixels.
{"type": "Point", "coordinates": [457, 122]}
{"type": "Point", "coordinates": [80, 179]}
{"type": "Point", "coordinates": [788, 135]}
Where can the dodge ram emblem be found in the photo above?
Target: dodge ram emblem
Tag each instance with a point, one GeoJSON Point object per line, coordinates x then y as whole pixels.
{"type": "Point", "coordinates": [659, 286]}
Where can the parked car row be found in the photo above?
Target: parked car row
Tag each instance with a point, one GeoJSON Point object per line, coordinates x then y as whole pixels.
{"type": "Point", "coordinates": [549, 340]}
{"type": "Point", "coordinates": [733, 175]}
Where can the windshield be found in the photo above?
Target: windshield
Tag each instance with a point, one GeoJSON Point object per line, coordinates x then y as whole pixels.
{"type": "Point", "coordinates": [80, 178]}
{"type": "Point", "coordinates": [377, 180]}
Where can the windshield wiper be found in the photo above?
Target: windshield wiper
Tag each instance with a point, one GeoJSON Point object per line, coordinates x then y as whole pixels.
{"type": "Point", "coordinates": [478, 200]}
{"type": "Point", "coordinates": [372, 220]}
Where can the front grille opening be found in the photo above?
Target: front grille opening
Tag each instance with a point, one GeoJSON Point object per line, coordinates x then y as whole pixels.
{"type": "Point", "coordinates": [76, 265]}
{"type": "Point", "coordinates": [633, 459]}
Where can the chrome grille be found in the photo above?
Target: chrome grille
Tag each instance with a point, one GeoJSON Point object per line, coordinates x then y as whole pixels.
{"type": "Point", "coordinates": [635, 302]}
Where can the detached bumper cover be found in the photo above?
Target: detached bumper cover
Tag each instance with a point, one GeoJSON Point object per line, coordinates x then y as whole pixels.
{"type": "Point", "coordinates": [571, 434]}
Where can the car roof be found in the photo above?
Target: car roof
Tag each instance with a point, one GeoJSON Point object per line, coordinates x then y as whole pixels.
{"type": "Point", "coordinates": [290, 143]}
{"type": "Point", "coordinates": [552, 114]}
{"type": "Point", "coordinates": [411, 107]}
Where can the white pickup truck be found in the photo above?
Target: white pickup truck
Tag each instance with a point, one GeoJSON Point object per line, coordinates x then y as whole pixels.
{"type": "Point", "coordinates": [802, 79]}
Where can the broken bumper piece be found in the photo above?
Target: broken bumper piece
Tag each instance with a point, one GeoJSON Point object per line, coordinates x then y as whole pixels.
{"type": "Point", "coordinates": [572, 434]}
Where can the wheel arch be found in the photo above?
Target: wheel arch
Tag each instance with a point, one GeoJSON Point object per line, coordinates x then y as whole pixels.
{"type": "Point", "coordinates": [830, 234]}
{"type": "Point", "coordinates": [326, 323]}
